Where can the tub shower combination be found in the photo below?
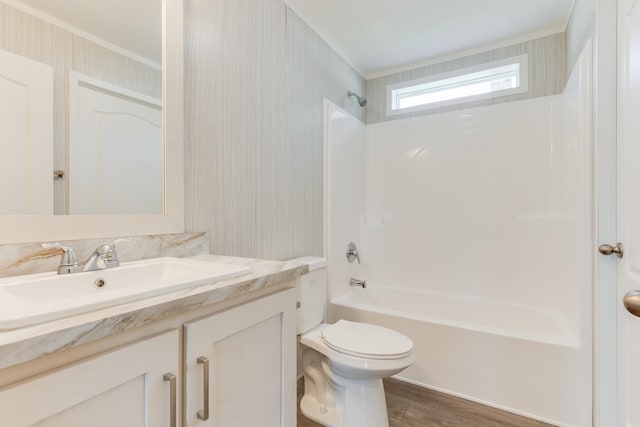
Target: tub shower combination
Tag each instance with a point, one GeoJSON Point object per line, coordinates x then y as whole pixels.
{"type": "Point", "coordinates": [472, 228]}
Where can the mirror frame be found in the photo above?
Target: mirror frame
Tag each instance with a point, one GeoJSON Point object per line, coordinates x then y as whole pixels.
{"type": "Point", "coordinates": [41, 228]}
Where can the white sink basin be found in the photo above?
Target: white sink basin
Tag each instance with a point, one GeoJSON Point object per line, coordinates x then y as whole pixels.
{"type": "Point", "coordinates": [37, 298]}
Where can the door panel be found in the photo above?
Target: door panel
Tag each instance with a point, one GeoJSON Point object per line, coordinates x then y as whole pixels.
{"type": "Point", "coordinates": [127, 397]}
{"type": "Point", "coordinates": [124, 388]}
{"type": "Point", "coordinates": [115, 152]}
{"type": "Point", "coordinates": [250, 351]}
{"type": "Point", "coordinates": [628, 208]}
{"type": "Point", "coordinates": [26, 132]}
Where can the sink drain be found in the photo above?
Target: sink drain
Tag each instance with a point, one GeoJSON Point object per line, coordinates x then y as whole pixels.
{"type": "Point", "coordinates": [99, 283]}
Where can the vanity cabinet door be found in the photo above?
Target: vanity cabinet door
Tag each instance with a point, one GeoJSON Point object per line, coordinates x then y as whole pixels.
{"type": "Point", "coordinates": [240, 365]}
{"type": "Point", "coordinates": [126, 387]}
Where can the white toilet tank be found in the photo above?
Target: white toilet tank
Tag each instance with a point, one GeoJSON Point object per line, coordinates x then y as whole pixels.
{"type": "Point", "coordinates": [312, 293]}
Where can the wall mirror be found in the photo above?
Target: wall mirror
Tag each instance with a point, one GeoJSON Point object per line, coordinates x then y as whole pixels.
{"type": "Point", "coordinates": [92, 122]}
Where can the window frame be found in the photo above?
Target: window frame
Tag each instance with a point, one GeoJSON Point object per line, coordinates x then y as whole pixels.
{"type": "Point", "coordinates": [522, 60]}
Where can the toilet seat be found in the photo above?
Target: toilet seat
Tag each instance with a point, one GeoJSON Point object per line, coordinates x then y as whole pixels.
{"type": "Point", "coordinates": [366, 340]}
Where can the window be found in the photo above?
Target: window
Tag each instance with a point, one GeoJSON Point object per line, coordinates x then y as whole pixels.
{"type": "Point", "coordinates": [491, 80]}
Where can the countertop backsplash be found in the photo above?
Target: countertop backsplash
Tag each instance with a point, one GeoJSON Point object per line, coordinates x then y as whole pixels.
{"type": "Point", "coordinates": [30, 258]}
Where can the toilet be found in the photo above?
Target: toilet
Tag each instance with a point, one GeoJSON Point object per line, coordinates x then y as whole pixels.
{"type": "Point", "coordinates": [343, 363]}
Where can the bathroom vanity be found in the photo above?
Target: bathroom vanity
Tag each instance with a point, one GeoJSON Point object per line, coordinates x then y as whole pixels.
{"type": "Point", "coordinates": [200, 356]}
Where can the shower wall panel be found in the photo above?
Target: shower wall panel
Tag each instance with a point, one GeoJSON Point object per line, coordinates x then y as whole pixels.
{"type": "Point", "coordinates": [344, 190]}
{"type": "Point", "coordinates": [489, 202]}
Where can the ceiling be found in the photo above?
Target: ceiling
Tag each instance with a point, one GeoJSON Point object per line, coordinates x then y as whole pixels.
{"type": "Point", "coordinates": [378, 35]}
{"type": "Point", "coordinates": [372, 35]}
{"type": "Point", "coordinates": [135, 25]}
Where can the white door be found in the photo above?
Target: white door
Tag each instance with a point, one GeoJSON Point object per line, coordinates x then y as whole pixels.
{"type": "Point", "coordinates": [115, 151]}
{"type": "Point", "coordinates": [26, 136]}
{"type": "Point", "coordinates": [128, 387]}
{"type": "Point", "coordinates": [628, 209]}
{"type": "Point", "coordinates": [240, 366]}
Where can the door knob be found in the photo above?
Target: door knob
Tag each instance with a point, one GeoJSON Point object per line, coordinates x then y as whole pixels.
{"type": "Point", "coordinates": [608, 250]}
{"type": "Point", "coordinates": [631, 302]}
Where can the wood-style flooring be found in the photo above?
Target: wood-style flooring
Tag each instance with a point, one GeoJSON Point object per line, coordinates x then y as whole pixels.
{"type": "Point", "coordinates": [412, 406]}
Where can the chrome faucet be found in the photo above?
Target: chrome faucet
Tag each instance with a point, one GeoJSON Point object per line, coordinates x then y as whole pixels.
{"type": "Point", "coordinates": [356, 282]}
{"type": "Point", "coordinates": [104, 256]}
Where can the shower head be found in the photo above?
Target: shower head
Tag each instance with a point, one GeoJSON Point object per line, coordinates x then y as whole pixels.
{"type": "Point", "coordinates": [361, 99]}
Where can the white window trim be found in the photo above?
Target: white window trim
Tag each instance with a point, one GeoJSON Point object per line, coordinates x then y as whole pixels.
{"type": "Point", "coordinates": [523, 60]}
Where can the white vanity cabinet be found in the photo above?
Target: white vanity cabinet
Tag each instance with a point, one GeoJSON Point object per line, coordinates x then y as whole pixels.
{"type": "Point", "coordinates": [131, 386]}
{"type": "Point", "coordinates": [148, 377]}
{"type": "Point", "coordinates": [240, 365]}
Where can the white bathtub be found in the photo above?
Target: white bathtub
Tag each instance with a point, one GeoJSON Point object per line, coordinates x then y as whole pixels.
{"type": "Point", "coordinates": [508, 356]}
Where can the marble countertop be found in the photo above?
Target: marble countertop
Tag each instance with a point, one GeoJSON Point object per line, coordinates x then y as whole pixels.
{"type": "Point", "coordinates": [24, 344]}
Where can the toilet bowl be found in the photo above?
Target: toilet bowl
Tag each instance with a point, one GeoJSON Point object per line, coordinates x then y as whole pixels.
{"type": "Point", "coordinates": [344, 363]}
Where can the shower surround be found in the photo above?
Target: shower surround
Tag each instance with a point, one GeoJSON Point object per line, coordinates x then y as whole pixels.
{"type": "Point", "coordinates": [474, 229]}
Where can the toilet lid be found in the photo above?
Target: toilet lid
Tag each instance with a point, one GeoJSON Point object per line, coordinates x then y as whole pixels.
{"type": "Point", "coordinates": [365, 340]}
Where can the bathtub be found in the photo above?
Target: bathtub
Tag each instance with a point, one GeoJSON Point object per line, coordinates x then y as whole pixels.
{"type": "Point", "coordinates": [465, 347]}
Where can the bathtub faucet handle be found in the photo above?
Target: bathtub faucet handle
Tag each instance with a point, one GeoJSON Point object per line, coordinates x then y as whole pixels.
{"type": "Point", "coordinates": [352, 252]}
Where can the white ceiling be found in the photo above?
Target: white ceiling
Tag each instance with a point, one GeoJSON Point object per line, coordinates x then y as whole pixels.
{"type": "Point", "coordinates": [377, 35]}
{"type": "Point", "coordinates": [133, 25]}
{"type": "Point", "coordinates": [373, 35]}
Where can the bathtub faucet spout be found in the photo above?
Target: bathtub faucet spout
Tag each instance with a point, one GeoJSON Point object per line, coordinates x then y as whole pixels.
{"type": "Point", "coordinates": [356, 282]}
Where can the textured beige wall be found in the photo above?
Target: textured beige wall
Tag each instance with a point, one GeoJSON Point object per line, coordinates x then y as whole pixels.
{"type": "Point", "coordinates": [256, 76]}
{"type": "Point", "coordinates": [236, 149]}
{"type": "Point", "coordinates": [315, 71]}
{"type": "Point", "coordinates": [33, 38]}
{"type": "Point", "coordinates": [547, 75]}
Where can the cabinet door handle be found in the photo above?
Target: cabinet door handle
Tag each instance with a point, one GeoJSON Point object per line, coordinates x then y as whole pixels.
{"type": "Point", "coordinates": [172, 398]}
{"type": "Point", "coordinates": [203, 414]}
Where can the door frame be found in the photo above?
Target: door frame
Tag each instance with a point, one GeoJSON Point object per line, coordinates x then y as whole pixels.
{"type": "Point", "coordinates": [605, 212]}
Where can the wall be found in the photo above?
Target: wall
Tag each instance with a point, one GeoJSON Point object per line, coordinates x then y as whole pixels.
{"type": "Point", "coordinates": [315, 72]}
{"type": "Point", "coordinates": [581, 27]}
{"type": "Point", "coordinates": [33, 38]}
{"type": "Point", "coordinates": [236, 146]}
{"type": "Point", "coordinates": [256, 76]}
{"type": "Point", "coordinates": [547, 76]}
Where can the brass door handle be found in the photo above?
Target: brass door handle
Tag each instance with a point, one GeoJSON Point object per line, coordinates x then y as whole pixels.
{"type": "Point", "coordinates": [631, 302]}
{"type": "Point", "coordinates": [173, 420]}
{"type": "Point", "coordinates": [618, 249]}
{"type": "Point", "coordinates": [203, 414]}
